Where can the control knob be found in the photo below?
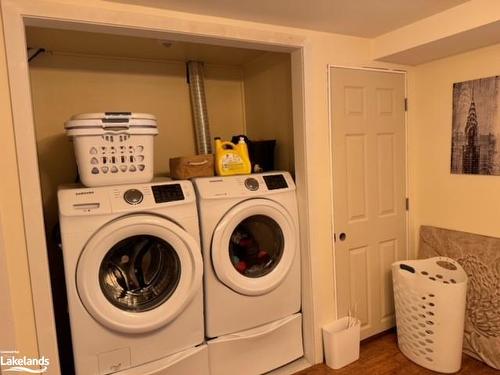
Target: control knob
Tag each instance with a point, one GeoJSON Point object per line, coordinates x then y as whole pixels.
{"type": "Point", "coordinates": [252, 184]}
{"type": "Point", "coordinates": [133, 196]}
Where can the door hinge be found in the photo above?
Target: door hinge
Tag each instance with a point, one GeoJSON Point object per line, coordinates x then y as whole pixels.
{"type": "Point", "coordinates": [407, 203]}
{"type": "Point", "coordinates": [406, 104]}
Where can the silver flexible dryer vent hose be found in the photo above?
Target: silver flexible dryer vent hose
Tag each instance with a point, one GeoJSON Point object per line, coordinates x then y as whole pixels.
{"type": "Point", "coordinates": [199, 106]}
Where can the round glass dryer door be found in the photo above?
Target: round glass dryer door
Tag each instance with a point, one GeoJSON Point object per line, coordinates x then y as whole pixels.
{"type": "Point", "coordinates": [138, 273]}
{"type": "Point", "coordinates": [254, 246]}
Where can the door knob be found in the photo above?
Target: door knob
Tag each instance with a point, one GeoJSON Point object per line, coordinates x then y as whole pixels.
{"type": "Point", "coordinates": [342, 236]}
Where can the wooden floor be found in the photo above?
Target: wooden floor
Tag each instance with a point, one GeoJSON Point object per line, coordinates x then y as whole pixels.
{"type": "Point", "coordinates": [381, 356]}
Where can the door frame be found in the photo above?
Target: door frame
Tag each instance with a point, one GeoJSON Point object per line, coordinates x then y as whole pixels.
{"type": "Point", "coordinates": [7, 338]}
{"type": "Point", "coordinates": [143, 22]}
{"type": "Point", "coordinates": [331, 153]}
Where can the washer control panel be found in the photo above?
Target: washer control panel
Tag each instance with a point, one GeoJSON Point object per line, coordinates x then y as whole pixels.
{"type": "Point", "coordinates": [75, 200]}
{"type": "Point", "coordinates": [252, 184]}
{"type": "Point", "coordinates": [167, 193]}
{"type": "Point", "coordinates": [133, 196]}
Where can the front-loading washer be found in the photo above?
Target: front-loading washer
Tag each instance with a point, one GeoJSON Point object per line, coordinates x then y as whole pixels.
{"type": "Point", "coordinates": [250, 241]}
{"type": "Point", "coordinates": [133, 270]}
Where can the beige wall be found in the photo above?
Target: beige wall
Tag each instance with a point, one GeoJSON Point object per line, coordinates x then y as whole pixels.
{"type": "Point", "coordinates": [268, 104]}
{"type": "Point", "coordinates": [321, 49]}
{"type": "Point", "coordinates": [461, 202]}
{"type": "Point", "coordinates": [63, 85]}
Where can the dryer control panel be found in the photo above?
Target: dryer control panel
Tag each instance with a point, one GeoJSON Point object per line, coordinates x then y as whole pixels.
{"type": "Point", "coordinates": [244, 185]}
{"type": "Point", "coordinates": [275, 181]}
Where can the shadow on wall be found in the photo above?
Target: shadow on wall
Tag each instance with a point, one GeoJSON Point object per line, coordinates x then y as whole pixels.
{"type": "Point", "coordinates": [57, 148]}
{"type": "Point", "coordinates": [52, 174]}
{"type": "Point", "coordinates": [112, 64]}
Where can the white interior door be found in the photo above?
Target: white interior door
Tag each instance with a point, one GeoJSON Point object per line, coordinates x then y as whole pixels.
{"type": "Point", "coordinates": [369, 148]}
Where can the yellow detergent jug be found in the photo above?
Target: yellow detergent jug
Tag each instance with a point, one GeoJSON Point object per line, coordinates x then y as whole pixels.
{"type": "Point", "coordinates": [231, 158]}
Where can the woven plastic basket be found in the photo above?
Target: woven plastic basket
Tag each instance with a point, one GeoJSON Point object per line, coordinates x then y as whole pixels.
{"type": "Point", "coordinates": [113, 148]}
{"type": "Point", "coordinates": [429, 295]}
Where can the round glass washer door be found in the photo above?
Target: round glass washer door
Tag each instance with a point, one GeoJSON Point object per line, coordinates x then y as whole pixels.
{"type": "Point", "coordinates": [254, 246]}
{"type": "Point", "coordinates": [139, 272]}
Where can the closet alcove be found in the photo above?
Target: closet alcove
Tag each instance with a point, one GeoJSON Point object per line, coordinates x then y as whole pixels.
{"type": "Point", "coordinates": [248, 91]}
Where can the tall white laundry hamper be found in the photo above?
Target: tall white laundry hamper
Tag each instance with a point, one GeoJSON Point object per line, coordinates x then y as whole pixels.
{"type": "Point", "coordinates": [429, 295]}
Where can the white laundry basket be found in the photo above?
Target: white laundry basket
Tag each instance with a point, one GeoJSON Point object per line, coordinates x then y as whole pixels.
{"type": "Point", "coordinates": [113, 148]}
{"type": "Point", "coordinates": [429, 295]}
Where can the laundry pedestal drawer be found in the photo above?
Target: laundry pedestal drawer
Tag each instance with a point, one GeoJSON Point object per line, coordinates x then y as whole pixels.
{"type": "Point", "coordinates": [257, 350]}
{"type": "Point", "coordinates": [188, 362]}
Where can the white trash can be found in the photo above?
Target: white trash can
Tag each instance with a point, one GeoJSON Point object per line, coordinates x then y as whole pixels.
{"type": "Point", "coordinates": [341, 342]}
{"type": "Point", "coordinates": [429, 295]}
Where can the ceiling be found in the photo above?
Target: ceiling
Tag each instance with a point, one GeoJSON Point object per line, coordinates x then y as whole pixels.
{"type": "Point", "coordinates": [79, 42]}
{"type": "Point", "coordinates": [362, 18]}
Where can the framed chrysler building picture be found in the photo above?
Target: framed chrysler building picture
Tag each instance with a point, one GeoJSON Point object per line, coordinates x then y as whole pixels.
{"type": "Point", "coordinates": [476, 127]}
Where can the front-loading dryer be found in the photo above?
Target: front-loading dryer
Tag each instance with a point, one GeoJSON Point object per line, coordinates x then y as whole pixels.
{"type": "Point", "coordinates": [133, 269]}
{"type": "Point", "coordinates": [250, 241]}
